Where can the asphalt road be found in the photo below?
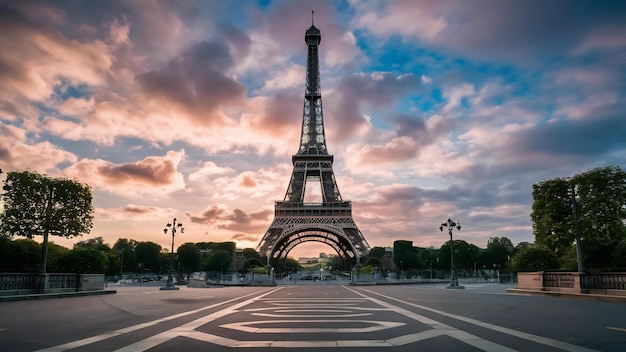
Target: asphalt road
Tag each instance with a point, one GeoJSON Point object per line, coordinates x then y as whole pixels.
{"type": "Point", "coordinates": [313, 317]}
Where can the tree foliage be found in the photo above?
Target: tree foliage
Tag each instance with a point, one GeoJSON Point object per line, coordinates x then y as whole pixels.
{"type": "Point", "coordinates": [38, 205]}
{"type": "Point", "coordinates": [148, 254]}
{"type": "Point", "coordinates": [600, 199]}
{"type": "Point", "coordinates": [534, 258]}
{"type": "Point", "coordinates": [405, 255]}
{"type": "Point", "coordinates": [498, 252]}
{"type": "Point", "coordinates": [84, 260]}
{"type": "Point", "coordinates": [21, 255]}
{"type": "Point", "coordinates": [374, 262]}
{"type": "Point", "coordinates": [252, 262]}
{"type": "Point", "coordinates": [125, 249]}
{"type": "Point", "coordinates": [552, 215]}
{"type": "Point", "coordinates": [376, 252]}
{"type": "Point", "coordinates": [218, 260]}
{"type": "Point", "coordinates": [223, 246]}
{"type": "Point", "coordinates": [189, 257]}
{"type": "Point", "coordinates": [251, 253]}
{"type": "Point", "coordinates": [465, 255]}
{"type": "Point", "coordinates": [291, 265]}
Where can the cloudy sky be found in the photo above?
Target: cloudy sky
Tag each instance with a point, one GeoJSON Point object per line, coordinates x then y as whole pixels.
{"type": "Point", "coordinates": [192, 109]}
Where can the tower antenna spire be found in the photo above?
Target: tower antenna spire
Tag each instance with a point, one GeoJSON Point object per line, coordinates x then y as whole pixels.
{"type": "Point", "coordinates": [312, 17]}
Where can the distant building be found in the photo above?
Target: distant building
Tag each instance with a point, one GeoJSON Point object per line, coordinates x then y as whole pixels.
{"type": "Point", "coordinates": [387, 260]}
{"type": "Point", "coordinates": [239, 261]}
{"type": "Point", "coordinates": [308, 261]}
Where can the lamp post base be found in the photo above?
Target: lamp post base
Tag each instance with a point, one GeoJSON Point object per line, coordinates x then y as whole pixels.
{"type": "Point", "coordinates": [169, 286]}
{"type": "Point", "coordinates": [454, 284]}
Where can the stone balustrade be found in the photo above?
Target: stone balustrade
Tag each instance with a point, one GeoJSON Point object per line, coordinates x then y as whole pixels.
{"type": "Point", "coordinates": [30, 283]}
{"type": "Point", "coordinates": [573, 282]}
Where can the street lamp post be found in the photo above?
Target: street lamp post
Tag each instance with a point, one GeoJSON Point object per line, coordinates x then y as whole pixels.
{"type": "Point", "coordinates": [169, 285]}
{"type": "Point", "coordinates": [121, 252]}
{"type": "Point", "coordinates": [450, 225]}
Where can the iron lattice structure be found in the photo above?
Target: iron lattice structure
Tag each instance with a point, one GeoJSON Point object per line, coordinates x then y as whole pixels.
{"type": "Point", "coordinates": [330, 221]}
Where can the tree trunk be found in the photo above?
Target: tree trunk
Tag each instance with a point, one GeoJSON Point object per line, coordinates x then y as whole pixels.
{"type": "Point", "coordinates": [44, 252]}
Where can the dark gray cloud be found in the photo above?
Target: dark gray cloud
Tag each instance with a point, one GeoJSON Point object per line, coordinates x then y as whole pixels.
{"type": "Point", "coordinates": [590, 139]}
{"type": "Point", "coordinates": [519, 31]}
{"type": "Point", "coordinates": [357, 92]}
{"type": "Point", "coordinates": [196, 82]}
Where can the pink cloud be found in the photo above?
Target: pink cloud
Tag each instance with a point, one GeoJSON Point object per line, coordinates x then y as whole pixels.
{"type": "Point", "coordinates": [150, 175]}
{"type": "Point", "coordinates": [237, 220]}
{"type": "Point", "coordinates": [18, 153]}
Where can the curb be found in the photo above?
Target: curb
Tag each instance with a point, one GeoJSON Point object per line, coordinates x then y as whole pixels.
{"type": "Point", "coordinates": [55, 295]}
{"type": "Point", "coordinates": [586, 296]}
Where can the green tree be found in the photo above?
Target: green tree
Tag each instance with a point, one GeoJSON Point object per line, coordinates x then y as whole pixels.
{"type": "Point", "coordinates": [601, 209]}
{"type": "Point", "coordinates": [601, 215]}
{"type": "Point", "coordinates": [148, 254]}
{"type": "Point", "coordinates": [112, 257]}
{"type": "Point", "coordinates": [224, 246]}
{"type": "Point", "coordinates": [465, 255]}
{"type": "Point", "coordinates": [552, 215]}
{"type": "Point", "coordinates": [55, 256]}
{"type": "Point", "coordinates": [23, 255]}
{"type": "Point", "coordinates": [84, 260]}
{"type": "Point", "coordinates": [94, 243]}
{"type": "Point", "coordinates": [601, 204]}
{"type": "Point", "coordinates": [37, 205]}
{"type": "Point", "coordinates": [339, 263]}
{"type": "Point", "coordinates": [256, 262]}
{"type": "Point", "coordinates": [405, 255]}
{"type": "Point", "coordinates": [125, 250]}
{"type": "Point", "coordinates": [219, 260]}
{"type": "Point", "coordinates": [373, 262]}
{"type": "Point", "coordinates": [498, 252]}
{"type": "Point", "coordinates": [5, 251]}
{"type": "Point", "coordinates": [534, 258]}
{"type": "Point", "coordinates": [430, 258]}
{"type": "Point", "coordinates": [377, 252]}
{"type": "Point", "coordinates": [189, 257]}
{"type": "Point", "coordinates": [292, 265]}
{"type": "Point", "coordinates": [251, 253]}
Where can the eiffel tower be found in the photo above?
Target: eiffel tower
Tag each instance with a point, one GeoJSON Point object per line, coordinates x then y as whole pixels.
{"type": "Point", "coordinates": [330, 221]}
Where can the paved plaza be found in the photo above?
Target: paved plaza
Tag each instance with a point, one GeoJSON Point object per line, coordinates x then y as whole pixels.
{"type": "Point", "coordinates": [323, 316]}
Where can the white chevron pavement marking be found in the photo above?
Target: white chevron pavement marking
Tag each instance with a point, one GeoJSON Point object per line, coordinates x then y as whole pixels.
{"type": "Point", "coordinates": [375, 325]}
{"type": "Point", "coordinates": [184, 330]}
{"type": "Point", "coordinates": [522, 335]}
{"type": "Point", "coordinates": [93, 339]}
{"type": "Point", "coordinates": [437, 329]}
{"type": "Point", "coordinates": [460, 335]}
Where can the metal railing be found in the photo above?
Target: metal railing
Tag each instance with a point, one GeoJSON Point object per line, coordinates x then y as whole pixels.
{"type": "Point", "coordinates": [603, 281]}
{"type": "Point", "coordinates": [565, 280]}
{"type": "Point", "coordinates": [27, 283]}
{"type": "Point", "coordinates": [18, 281]}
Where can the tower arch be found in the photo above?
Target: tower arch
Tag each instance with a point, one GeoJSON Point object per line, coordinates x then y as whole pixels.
{"type": "Point", "coordinates": [331, 236]}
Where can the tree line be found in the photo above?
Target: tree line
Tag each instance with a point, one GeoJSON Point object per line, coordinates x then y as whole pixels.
{"type": "Point", "coordinates": [126, 257]}
{"type": "Point", "coordinates": [469, 259]}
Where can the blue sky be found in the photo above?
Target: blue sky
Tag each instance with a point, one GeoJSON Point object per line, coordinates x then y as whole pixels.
{"type": "Point", "coordinates": [193, 109]}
